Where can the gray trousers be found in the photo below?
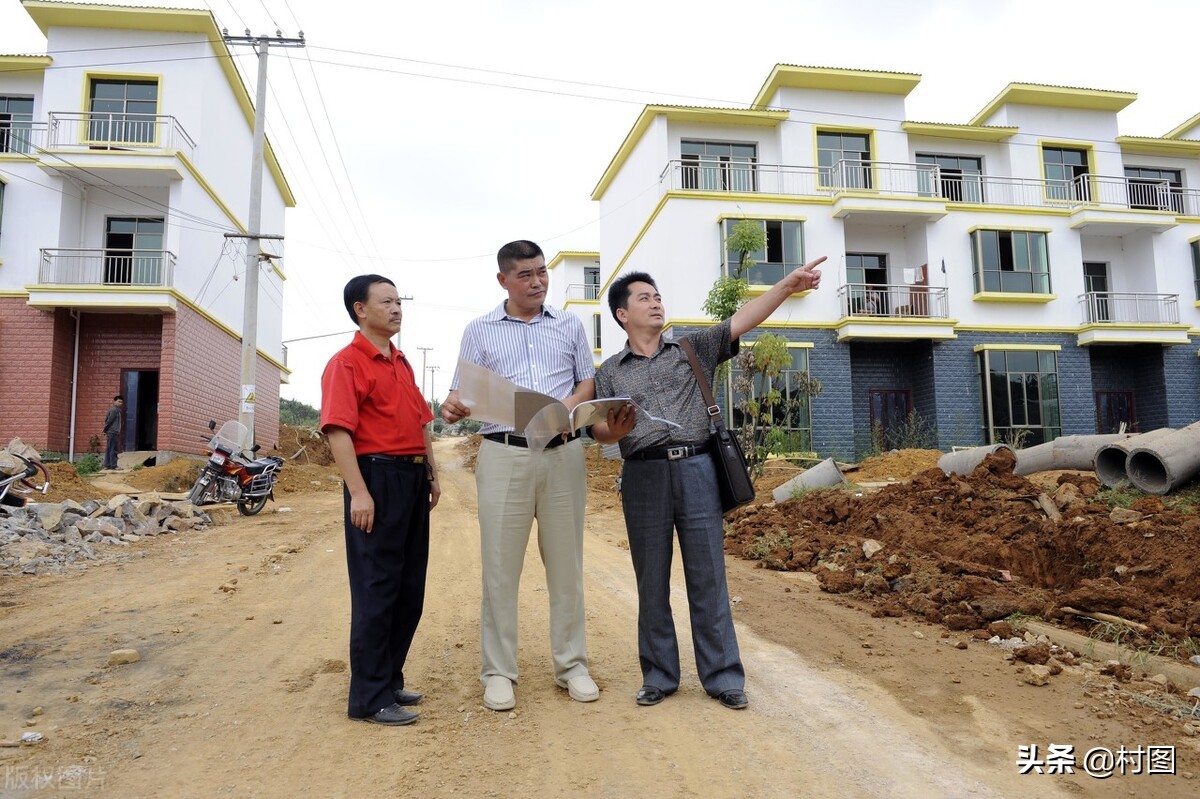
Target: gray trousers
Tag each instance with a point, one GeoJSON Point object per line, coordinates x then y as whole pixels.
{"type": "Point", "coordinates": [660, 496]}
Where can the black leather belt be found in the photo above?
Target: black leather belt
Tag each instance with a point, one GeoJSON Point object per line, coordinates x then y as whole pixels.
{"type": "Point", "coordinates": [394, 458]}
{"type": "Point", "coordinates": [514, 440]}
{"type": "Point", "coordinates": [669, 453]}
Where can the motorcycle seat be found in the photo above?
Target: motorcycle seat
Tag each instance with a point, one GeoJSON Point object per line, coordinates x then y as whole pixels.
{"type": "Point", "coordinates": [260, 465]}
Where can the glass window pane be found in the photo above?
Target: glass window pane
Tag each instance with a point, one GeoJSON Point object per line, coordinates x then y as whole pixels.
{"type": "Point", "coordinates": [691, 148]}
{"type": "Point", "coordinates": [107, 89]}
{"type": "Point", "coordinates": [142, 91]}
{"type": "Point", "coordinates": [990, 240]}
{"type": "Point", "coordinates": [1039, 258]}
{"type": "Point", "coordinates": [1020, 245]}
{"type": "Point", "coordinates": [1022, 360]}
{"type": "Point", "coordinates": [1047, 362]}
{"type": "Point", "coordinates": [1016, 393]}
{"type": "Point", "coordinates": [1018, 282]}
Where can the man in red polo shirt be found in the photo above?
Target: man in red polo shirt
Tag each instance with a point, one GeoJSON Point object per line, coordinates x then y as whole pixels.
{"type": "Point", "coordinates": [377, 424]}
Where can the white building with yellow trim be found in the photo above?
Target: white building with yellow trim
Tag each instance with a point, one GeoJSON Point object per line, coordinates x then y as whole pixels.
{"type": "Point", "coordinates": [125, 154]}
{"type": "Point", "coordinates": [1030, 273]}
{"type": "Point", "coordinates": [575, 286]}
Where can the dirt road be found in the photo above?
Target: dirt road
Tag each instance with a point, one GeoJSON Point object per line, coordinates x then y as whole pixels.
{"type": "Point", "coordinates": [242, 692]}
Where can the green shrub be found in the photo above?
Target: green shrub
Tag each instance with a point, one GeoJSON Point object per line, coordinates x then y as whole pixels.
{"type": "Point", "coordinates": [88, 463]}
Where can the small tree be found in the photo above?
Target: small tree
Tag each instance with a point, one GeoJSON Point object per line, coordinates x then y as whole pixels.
{"type": "Point", "coordinates": [759, 365]}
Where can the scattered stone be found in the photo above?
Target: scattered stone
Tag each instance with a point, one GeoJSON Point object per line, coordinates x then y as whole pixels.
{"type": "Point", "coordinates": [961, 645]}
{"type": "Point", "coordinates": [228, 587]}
{"type": "Point", "coordinates": [1158, 679]}
{"type": "Point", "coordinates": [1124, 516]}
{"type": "Point", "coordinates": [1190, 730]}
{"type": "Point", "coordinates": [37, 711]}
{"type": "Point", "coordinates": [32, 737]}
{"type": "Point", "coordinates": [121, 657]}
{"type": "Point", "coordinates": [276, 621]}
{"type": "Point", "coordinates": [870, 547]}
{"type": "Point", "coordinates": [918, 634]}
{"type": "Point", "coordinates": [1035, 675]}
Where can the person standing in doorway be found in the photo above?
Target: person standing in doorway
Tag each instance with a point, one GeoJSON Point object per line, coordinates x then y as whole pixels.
{"type": "Point", "coordinates": [114, 425]}
{"type": "Point", "coordinates": [546, 350]}
{"type": "Point", "coordinates": [377, 423]}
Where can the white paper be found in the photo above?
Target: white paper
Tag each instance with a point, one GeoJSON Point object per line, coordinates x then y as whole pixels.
{"type": "Point", "coordinates": [910, 276]}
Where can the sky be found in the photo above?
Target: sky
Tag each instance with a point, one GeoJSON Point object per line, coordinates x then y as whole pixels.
{"type": "Point", "coordinates": [419, 137]}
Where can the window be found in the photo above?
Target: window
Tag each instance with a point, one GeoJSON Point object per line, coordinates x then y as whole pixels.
{"type": "Point", "coordinates": [783, 252]}
{"type": "Point", "coordinates": [838, 159]}
{"type": "Point", "coordinates": [2, 208]}
{"type": "Point", "coordinates": [133, 251]}
{"type": "Point", "coordinates": [591, 282]}
{"type": "Point", "coordinates": [595, 331]}
{"type": "Point", "coordinates": [717, 166]}
{"type": "Point", "coordinates": [122, 111]}
{"type": "Point", "coordinates": [16, 123]}
{"type": "Point", "coordinates": [1196, 266]}
{"type": "Point", "coordinates": [1155, 189]}
{"type": "Point", "coordinates": [1065, 169]}
{"type": "Point", "coordinates": [1020, 396]}
{"type": "Point", "coordinates": [792, 415]}
{"type": "Point", "coordinates": [867, 283]}
{"type": "Point", "coordinates": [959, 176]}
{"type": "Point", "coordinates": [1010, 260]}
{"type": "Point", "coordinates": [1113, 409]}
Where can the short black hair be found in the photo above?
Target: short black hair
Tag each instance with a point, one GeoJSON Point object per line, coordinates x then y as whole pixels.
{"type": "Point", "coordinates": [618, 292]}
{"type": "Point", "coordinates": [359, 290]}
{"type": "Point", "coordinates": [118, 397]}
{"type": "Point", "coordinates": [520, 250]}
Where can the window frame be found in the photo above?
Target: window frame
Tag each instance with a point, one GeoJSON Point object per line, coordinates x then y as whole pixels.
{"type": "Point", "coordinates": [1045, 380]}
{"type": "Point", "coordinates": [100, 131]}
{"type": "Point", "coordinates": [981, 253]}
{"type": "Point", "coordinates": [1195, 247]}
{"type": "Point", "coordinates": [15, 122]}
{"type": "Point", "coordinates": [738, 173]}
{"type": "Point", "coordinates": [802, 433]}
{"type": "Point", "coordinates": [1062, 189]}
{"type": "Point", "coordinates": [789, 241]}
{"type": "Point", "coordinates": [861, 177]}
{"type": "Point", "coordinates": [955, 187]}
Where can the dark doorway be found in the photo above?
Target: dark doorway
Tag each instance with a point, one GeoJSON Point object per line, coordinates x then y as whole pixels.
{"type": "Point", "coordinates": [140, 388]}
{"type": "Point", "coordinates": [1113, 408]}
{"type": "Point", "coordinates": [890, 408]}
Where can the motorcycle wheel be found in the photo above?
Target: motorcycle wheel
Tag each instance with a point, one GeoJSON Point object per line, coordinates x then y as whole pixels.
{"type": "Point", "coordinates": [249, 507]}
{"type": "Point", "coordinates": [201, 490]}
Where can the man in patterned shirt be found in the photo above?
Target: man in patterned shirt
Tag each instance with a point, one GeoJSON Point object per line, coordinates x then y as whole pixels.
{"type": "Point", "coordinates": [665, 486]}
{"type": "Point", "coordinates": [546, 350]}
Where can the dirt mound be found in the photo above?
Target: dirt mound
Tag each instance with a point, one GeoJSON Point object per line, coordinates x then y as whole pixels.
{"type": "Point", "coordinates": [306, 445]}
{"type": "Point", "coordinates": [173, 477]}
{"type": "Point", "coordinates": [65, 483]}
{"type": "Point", "coordinates": [307, 478]}
{"type": "Point", "coordinates": [965, 551]}
{"type": "Point", "coordinates": [899, 464]}
{"type": "Point", "coordinates": [468, 450]}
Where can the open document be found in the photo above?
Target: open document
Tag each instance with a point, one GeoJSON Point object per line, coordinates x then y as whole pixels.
{"type": "Point", "coordinates": [538, 416]}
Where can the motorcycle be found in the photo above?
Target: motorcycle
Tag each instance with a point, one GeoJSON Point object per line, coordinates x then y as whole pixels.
{"type": "Point", "coordinates": [17, 479]}
{"type": "Point", "coordinates": [229, 475]}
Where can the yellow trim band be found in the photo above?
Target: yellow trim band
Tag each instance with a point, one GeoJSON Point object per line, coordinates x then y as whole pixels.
{"type": "Point", "coordinates": [1013, 296]}
{"type": "Point", "coordinates": [1024, 347]}
{"type": "Point", "coordinates": [1055, 97]}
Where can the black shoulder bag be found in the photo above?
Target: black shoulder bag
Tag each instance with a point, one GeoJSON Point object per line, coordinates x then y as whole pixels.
{"type": "Point", "coordinates": [733, 476]}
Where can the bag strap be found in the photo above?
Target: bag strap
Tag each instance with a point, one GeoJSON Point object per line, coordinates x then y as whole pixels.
{"type": "Point", "coordinates": [714, 411]}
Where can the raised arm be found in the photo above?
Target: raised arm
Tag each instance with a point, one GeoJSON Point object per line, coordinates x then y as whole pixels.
{"type": "Point", "coordinates": [755, 312]}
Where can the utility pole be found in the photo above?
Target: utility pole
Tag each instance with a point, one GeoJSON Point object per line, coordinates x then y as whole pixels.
{"type": "Point", "coordinates": [432, 390]}
{"type": "Point", "coordinates": [423, 351]}
{"type": "Point", "coordinates": [262, 46]}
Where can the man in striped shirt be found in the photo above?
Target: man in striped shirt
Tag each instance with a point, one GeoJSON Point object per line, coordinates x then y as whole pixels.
{"type": "Point", "coordinates": [544, 349]}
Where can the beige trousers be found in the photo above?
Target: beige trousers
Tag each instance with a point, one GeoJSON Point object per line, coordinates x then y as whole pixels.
{"type": "Point", "coordinates": [515, 487]}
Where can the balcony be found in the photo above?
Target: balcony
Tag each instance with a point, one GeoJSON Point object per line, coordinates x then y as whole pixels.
{"type": "Point", "coordinates": [105, 280]}
{"type": "Point", "coordinates": [894, 312]}
{"type": "Point", "coordinates": [22, 138]}
{"type": "Point", "coordinates": [1119, 204]}
{"type": "Point", "coordinates": [583, 292]}
{"type": "Point", "coordinates": [791, 181]}
{"type": "Point", "coordinates": [1127, 318]}
{"type": "Point", "coordinates": [130, 149]}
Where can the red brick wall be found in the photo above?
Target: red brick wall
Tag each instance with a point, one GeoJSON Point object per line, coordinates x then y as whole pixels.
{"type": "Point", "coordinates": [27, 366]}
{"type": "Point", "coordinates": [201, 380]}
{"type": "Point", "coordinates": [199, 375]}
{"type": "Point", "coordinates": [110, 343]}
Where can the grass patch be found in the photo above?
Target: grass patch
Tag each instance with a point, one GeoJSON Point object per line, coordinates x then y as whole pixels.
{"type": "Point", "coordinates": [88, 463]}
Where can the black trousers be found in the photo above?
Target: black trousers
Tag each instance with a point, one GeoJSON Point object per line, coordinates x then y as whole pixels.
{"type": "Point", "coordinates": [387, 580]}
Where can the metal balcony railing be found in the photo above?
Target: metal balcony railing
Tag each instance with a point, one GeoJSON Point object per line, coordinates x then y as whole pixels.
{"type": "Point", "coordinates": [872, 299]}
{"type": "Point", "coordinates": [95, 130]}
{"type": "Point", "coordinates": [1110, 307]}
{"type": "Point", "coordinates": [795, 181]}
{"type": "Point", "coordinates": [583, 291]}
{"type": "Point", "coordinates": [25, 138]}
{"type": "Point", "coordinates": [107, 267]}
{"type": "Point", "coordinates": [884, 177]}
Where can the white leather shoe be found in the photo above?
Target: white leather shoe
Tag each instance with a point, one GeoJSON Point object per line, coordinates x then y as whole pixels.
{"type": "Point", "coordinates": [498, 695]}
{"type": "Point", "coordinates": [581, 688]}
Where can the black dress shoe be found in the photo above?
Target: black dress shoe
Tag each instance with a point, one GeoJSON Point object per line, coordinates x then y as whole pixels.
{"type": "Point", "coordinates": [404, 697]}
{"type": "Point", "coordinates": [649, 695]}
{"type": "Point", "coordinates": [392, 716]}
{"type": "Point", "coordinates": [733, 699]}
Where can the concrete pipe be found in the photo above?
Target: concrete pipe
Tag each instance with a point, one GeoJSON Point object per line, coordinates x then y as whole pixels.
{"type": "Point", "coordinates": [1158, 466]}
{"type": "Point", "coordinates": [964, 461]}
{"type": "Point", "coordinates": [1064, 452]}
{"type": "Point", "coordinates": [824, 474]}
{"type": "Point", "coordinates": [1111, 459]}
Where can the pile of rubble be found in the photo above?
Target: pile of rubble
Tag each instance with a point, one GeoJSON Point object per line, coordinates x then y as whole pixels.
{"type": "Point", "coordinates": [49, 538]}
